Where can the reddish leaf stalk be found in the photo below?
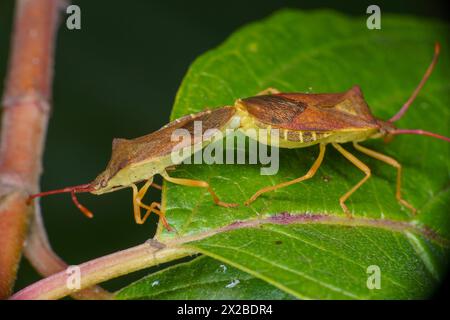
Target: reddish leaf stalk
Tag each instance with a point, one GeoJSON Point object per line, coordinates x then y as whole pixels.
{"type": "Point", "coordinates": [102, 269]}
{"type": "Point", "coordinates": [24, 123]}
{"type": "Point", "coordinates": [41, 255]}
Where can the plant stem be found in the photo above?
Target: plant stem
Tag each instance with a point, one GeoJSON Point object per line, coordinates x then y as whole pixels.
{"type": "Point", "coordinates": [24, 123]}
{"type": "Point", "coordinates": [102, 269]}
{"type": "Point", "coordinates": [41, 255]}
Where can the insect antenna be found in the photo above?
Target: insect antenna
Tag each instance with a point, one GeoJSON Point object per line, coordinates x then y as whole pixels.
{"type": "Point", "coordinates": [404, 108]}
{"type": "Point", "coordinates": [420, 132]}
{"type": "Point", "coordinates": [72, 190]}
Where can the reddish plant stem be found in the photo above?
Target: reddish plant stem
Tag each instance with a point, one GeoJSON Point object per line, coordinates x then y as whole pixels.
{"type": "Point", "coordinates": [40, 254]}
{"type": "Point", "coordinates": [102, 269]}
{"type": "Point", "coordinates": [25, 116]}
{"type": "Point", "coordinates": [24, 123]}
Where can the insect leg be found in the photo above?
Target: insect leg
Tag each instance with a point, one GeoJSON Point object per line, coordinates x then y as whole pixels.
{"type": "Point", "coordinates": [201, 184]}
{"type": "Point", "coordinates": [156, 208]}
{"type": "Point", "coordinates": [308, 175]}
{"type": "Point", "coordinates": [156, 186]}
{"type": "Point", "coordinates": [141, 193]}
{"type": "Point", "coordinates": [269, 90]}
{"type": "Point", "coordinates": [137, 205]}
{"type": "Point", "coordinates": [395, 164]}
{"type": "Point", "coordinates": [360, 166]}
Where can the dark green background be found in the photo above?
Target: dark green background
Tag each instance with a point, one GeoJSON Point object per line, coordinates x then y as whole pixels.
{"type": "Point", "coordinates": [117, 77]}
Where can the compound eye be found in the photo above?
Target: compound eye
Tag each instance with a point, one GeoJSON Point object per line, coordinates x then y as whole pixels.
{"type": "Point", "coordinates": [103, 184]}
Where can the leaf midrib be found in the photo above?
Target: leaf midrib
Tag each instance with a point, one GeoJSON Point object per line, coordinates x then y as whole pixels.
{"type": "Point", "coordinates": [397, 226]}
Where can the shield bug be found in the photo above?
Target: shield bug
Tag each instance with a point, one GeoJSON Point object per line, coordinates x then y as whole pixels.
{"type": "Point", "coordinates": [136, 160]}
{"type": "Point", "coordinates": [303, 120]}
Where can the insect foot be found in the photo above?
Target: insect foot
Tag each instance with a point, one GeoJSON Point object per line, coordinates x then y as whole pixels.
{"type": "Point", "coordinates": [345, 209]}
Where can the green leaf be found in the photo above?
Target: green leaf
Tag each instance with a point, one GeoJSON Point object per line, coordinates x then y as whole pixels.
{"type": "Point", "coordinates": [297, 238]}
{"type": "Point", "coordinates": [314, 261]}
{"type": "Point", "coordinates": [202, 278]}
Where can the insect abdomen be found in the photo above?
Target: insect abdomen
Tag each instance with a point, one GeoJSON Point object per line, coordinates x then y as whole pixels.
{"type": "Point", "coordinates": [286, 138]}
{"type": "Point", "coordinates": [299, 139]}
